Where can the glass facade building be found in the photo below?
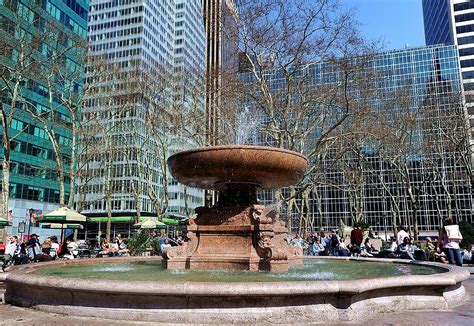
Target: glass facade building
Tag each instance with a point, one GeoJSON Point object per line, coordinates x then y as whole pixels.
{"type": "Point", "coordinates": [429, 76]}
{"type": "Point", "coordinates": [38, 31]}
{"type": "Point", "coordinates": [158, 37]}
{"type": "Point", "coordinates": [452, 22]}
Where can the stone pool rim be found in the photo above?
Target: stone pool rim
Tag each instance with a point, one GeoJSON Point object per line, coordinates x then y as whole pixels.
{"type": "Point", "coordinates": [232, 301]}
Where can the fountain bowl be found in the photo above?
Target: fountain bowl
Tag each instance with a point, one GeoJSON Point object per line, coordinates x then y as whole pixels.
{"type": "Point", "coordinates": [234, 302]}
{"type": "Point", "coordinates": [218, 166]}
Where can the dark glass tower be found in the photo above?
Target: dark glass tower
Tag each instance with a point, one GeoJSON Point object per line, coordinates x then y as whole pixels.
{"type": "Point", "coordinates": [452, 22]}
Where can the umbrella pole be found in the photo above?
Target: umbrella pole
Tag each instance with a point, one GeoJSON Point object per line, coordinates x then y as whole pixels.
{"type": "Point", "coordinates": [62, 233]}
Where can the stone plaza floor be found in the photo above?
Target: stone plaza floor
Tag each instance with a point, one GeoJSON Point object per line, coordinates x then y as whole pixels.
{"type": "Point", "coordinates": [460, 315]}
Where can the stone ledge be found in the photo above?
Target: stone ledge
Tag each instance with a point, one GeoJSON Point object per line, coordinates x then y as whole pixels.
{"type": "Point", "coordinates": [223, 302]}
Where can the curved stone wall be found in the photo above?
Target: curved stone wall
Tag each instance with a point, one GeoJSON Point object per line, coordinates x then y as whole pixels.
{"type": "Point", "coordinates": [205, 302]}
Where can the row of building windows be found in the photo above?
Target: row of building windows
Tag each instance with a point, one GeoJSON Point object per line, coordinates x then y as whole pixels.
{"type": "Point", "coordinates": [28, 192]}
{"type": "Point", "coordinates": [121, 204]}
{"type": "Point", "coordinates": [36, 151]}
{"type": "Point", "coordinates": [116, 23]}
{"type": "Point", "coordinates": [113, 14]}
{"type": "Point", "coordinates": [113, 3]}
{"type": "Point", "coordinates": [181, 196]}
{"type": "Point", "coordinates": [465, 40]}
{"type": "Point", "coordinates": [115, 44]}
{"type": "Point", "coordinates": [468, 75]}
{"type": "Point", "coordinates": [115, 34]}
{"type": "Point", "coordinates": [465, 29]}
{"type": "Point", "coordinates": [469, 87]}
{"type": "Point", "coordinates": [464, 17]}
{"type": "Point", "coordinates": [29, 170]}
{"type": "Point", "coordinates": [463, 6]}
{"type": "Point", "coordinates": [467, 63]}
{"type": "Point", "coordinates": [466, 52]}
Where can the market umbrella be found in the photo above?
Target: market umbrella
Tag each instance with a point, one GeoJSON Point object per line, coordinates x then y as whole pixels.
{"type": "Point", "coordinates": [3, 223]}
{"type": "Point", "coordinates": [150, 223]}
{"type": "Point", "coordinates": [62, 215]}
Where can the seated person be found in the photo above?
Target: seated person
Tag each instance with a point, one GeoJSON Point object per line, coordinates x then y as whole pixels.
{"type": "Point", "coordinates": [404, 249]}
{"type": "Point", "coordinates": [467, 255]}
{"type": "Point", "coordinates": [121, 246]}
{"type": "Point", "coordinates": [393, 245]}
{"type": "Point", "coordinates": [13, 247]}
{"type": "Point", "coordinates": [53, 252]}
{"type": "Point", "coordinates": [430, 249]}
{"type": "Point", "coordinates": [318, 249]}
{"type": "Point", "coordinates": [440, 257]}
{"type": "Point", "coordinates": [72, 249]}
{"type": "Point", "coordinates": [46, 246]}
{"type": "Point", "coordinates": [34, 251]}
{"type": "Point", "coordinates": [11, 250]}
{"type": "Point", "coordinates": [32, 247]}
{"type": "Point", "coordinates": [343, 250]}
{"type": "Point", "coordinates": [107, 249]}
{"type": "Point", "coordinates": [165, 245]}
{"type": "Point", "coordinates": [369, 248]}
{"type": "Point", "coordinates": [297, 241]}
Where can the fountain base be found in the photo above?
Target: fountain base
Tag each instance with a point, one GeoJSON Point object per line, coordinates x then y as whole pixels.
{"type": "Point", "coordinates": [234, 238]}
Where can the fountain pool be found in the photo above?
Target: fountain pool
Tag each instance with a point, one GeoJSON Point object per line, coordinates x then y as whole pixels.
{"type": "Point", "coordinates": [311, 270]}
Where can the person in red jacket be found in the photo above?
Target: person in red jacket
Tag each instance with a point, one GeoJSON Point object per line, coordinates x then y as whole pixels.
{"type": "Point", "coordinates": [356, 240]}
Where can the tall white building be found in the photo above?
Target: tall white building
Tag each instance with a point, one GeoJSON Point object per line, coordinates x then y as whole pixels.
{"type": "Point", "coordinates": [452, 22]}
{"type": "Point", "coordinates": [161, 37]}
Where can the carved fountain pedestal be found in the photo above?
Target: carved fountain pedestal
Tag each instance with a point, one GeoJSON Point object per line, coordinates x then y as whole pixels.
{"type": "Point", "coordinates": [236, 233]}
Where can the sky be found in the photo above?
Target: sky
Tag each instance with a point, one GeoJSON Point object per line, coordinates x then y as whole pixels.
{"type": "Point", "coordinates": [394, 22]}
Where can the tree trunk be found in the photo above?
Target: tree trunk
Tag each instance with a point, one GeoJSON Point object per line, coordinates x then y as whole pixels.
{"type": "Point", "coordinates": [5, 189]}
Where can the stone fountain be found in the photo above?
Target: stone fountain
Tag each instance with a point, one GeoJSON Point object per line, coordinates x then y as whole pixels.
{"type": "Point", "coordinates": [236, 233]}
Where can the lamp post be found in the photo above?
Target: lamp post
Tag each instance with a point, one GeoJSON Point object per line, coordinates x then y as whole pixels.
{"type": "Point", "coordinates": [30, 215]}
{"type": "Point", "coordinates": [21, 229]}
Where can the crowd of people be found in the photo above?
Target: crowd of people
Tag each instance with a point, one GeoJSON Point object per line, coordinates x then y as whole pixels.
{"type": "Point", "coordinates": [33, 250]}
{"type": "Point", "coordinates": [446, 250]}
{"type": "Point", "coordinates": [116, 247]}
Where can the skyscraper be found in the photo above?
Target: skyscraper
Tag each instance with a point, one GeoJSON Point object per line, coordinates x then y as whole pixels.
{"type": "Point", "coordinates": [452, 22]}
{"type": "Point", "coordinates": [160, 38]}
{"type": "Point", "coordinates": [40, 47]}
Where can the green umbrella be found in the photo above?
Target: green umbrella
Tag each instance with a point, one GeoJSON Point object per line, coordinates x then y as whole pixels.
{"type": "Point", "coordinates": [150, 223]}
{"type": "Point", "coordinates": [63, 215]}
{"type": "Point", "coordinates": [3, 223]}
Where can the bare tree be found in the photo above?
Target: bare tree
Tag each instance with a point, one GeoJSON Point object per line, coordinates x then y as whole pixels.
{"type": "Point", "coordinates": [282, 44]}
